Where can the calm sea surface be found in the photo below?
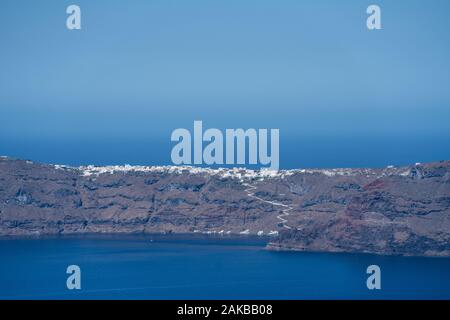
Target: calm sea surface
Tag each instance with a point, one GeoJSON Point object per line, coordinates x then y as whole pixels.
{"type": "Point", "coordinates": [187, 267]}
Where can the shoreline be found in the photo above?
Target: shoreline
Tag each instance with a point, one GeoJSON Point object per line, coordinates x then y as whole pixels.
{"type": "Point", "coordinates": [290, 248]}
{"type": "Point", "coordinates": [206, 239]}
{"type": "Point", "coordinates": [176, 237]}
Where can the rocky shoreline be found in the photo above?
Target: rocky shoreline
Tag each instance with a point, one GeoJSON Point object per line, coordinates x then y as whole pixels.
{"type": "Point", "coordinates": [392, 211]}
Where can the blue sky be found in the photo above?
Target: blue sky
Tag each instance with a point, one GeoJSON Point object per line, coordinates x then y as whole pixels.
{"type": "Point", "coordinates": [112, 92]}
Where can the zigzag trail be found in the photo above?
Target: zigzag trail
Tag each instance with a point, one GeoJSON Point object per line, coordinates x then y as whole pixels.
{"type": "Point", "coordinates": [286, 211]}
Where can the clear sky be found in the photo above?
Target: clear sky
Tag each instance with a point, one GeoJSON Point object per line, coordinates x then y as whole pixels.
{"type": "Point", "coordinates": [113, 91]}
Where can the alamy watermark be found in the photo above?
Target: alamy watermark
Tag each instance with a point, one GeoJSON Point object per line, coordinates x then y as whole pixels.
{"type": "Point", "coordinates": [73, 21]}
{"type": "Point", "coordinates": [374, 20]}
{"type": "Point", "coordinates": [235, 147]}
{"type": "Point", "coordinates": [73, 282]}
{"type": "Point", "coordinates": [374, 280]}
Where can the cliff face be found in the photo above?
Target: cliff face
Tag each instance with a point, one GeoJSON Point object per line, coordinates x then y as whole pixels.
{"type": "Point", "coordinates": [387, 211]}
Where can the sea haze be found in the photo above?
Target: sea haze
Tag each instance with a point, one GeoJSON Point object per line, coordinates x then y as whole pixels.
{"type": "Point", "coordinates": [205, 267]}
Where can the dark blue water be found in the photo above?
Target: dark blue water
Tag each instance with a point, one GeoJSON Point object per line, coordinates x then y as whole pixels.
{"type": "Point", "coordinates": [181, 267]}
{"type": "Point", "coordinates": [295, 152]}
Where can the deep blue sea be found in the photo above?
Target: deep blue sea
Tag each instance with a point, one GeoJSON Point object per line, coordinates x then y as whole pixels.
{"type": "Point", "coordinates": [204, 267]}
{"type": "Point", "coordinates": [336, 151]}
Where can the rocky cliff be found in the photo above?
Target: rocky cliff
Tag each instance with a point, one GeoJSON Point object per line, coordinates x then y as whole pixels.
{"type": "Point", "coordinates": [386, 211]}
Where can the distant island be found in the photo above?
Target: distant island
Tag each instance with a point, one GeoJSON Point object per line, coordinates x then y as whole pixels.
{"type": "Point", "coordinates": [391, 211]}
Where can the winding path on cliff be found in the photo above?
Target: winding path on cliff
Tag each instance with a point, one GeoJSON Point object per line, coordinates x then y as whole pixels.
{"type": "Point", "coordinates": [285, 212]}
